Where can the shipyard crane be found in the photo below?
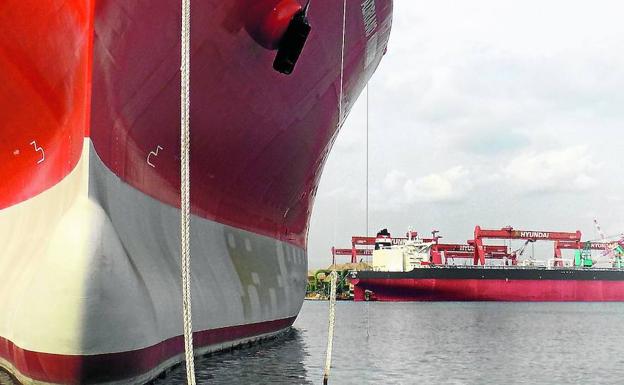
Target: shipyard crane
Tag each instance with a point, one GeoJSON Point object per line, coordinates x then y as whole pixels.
{"type": "Point", "coordinates": [470, 255]}
{"type": "Point", "coordinates": [579, 246]}
{"type": "Point", "coordinates": [583, 250]}
{"type": "Point", "coordinates": [609, 243]}
{"type": "Point", "coordinates": [619, 254]}
{"type": "Point", "coordinates": [349, 252]}
{"type": "Point", "coordinates": [362, 246]}
{"type": "Point", "coordinates": [520, 252]}
{"type": "Point", "coordinates": [383, 238]}
{"type": "Point", "coordinates": [450, 250]}
{"type": "Point", "coordinates": [453, 247]}
{"type": "Point", "coordinates": [612, 249]}
{"type": "Point", "coordinates": [511, 233]}
{"type": "Point", "coordinates": [599, 230]}
{"type": "Point", "coordinates": [603, 239]}
{"type": "Point", "coordinates": [453, 250]}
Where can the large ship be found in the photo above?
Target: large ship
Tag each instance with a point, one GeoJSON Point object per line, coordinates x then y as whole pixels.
{"type": "Point", "coordinates": [417, 269]}
{"type": "Point", "coordinates": [90, 287]}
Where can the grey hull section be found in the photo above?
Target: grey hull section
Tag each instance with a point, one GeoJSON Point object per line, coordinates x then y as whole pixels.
{"type": "Point", "coordinates": [91, 268]}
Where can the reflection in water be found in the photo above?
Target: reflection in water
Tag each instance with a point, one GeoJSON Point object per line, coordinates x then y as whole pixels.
{"type": "Point", "coordinates": [6, 379]}
{"type": "Point", "coordinates": [435, 343]}
{"type": "Point", "coordinates": [278, 361]}
{"type": "Point", "coordinates": [432, 343]}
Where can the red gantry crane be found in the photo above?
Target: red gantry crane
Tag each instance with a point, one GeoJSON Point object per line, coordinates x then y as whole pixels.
{"type": "Point", "coordinates": [453, 250]}
{"type": "Point", "coordinates": [349, 252]}
{"type": "Point", "coordinates": [607, 248]}
{"type": "Point", "coordinates": [574, 245]}
{"type": "Point", "coordinates": [362, 246]}
{"type": "Point", "coordinates": [359, 243]}
{"type": "Point", "coordinates": [609, 243]}
{"type": "Point", "coordinates": [511, 233]}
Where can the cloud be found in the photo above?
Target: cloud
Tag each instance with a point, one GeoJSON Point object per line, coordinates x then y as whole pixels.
{"type": "Point", "coordinates": [343, 193]}
{"type": "Point", "coordinates": [398, 190]}
{"type": "Point", "coordinates": [568, 169]}
{"type": "Point", "coordinates": [507, 89]}
{"type": "Point", "coordinates": [492, 142]}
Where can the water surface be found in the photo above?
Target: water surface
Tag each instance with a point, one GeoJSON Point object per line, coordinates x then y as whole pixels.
{"type": "Point", "coordinates": [435, 343]}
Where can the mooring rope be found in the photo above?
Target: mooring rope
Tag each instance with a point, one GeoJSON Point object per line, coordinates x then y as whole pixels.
{"type": "Point", "coordinates": [185, 188]}
{"type": "Point", "coordinates": [334, 275]}
{"type": "Point", "coordinates": [344, 26]}
{"type": "Point", "coordinates": [368, 259]}
{"type": "Point", "coordinates": [367, 147]}
{"type": "Point", "coordinates": [332, 322]}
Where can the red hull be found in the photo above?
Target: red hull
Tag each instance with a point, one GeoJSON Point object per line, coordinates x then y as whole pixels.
{"type": "Point", "coordinates": [109, 70]}
{"type": "Point", "coordinates": [396, 290]}
{"type": "Point", "coordinates": [90, 154]}
{"type": "Point", "coordinates": [45, 90]}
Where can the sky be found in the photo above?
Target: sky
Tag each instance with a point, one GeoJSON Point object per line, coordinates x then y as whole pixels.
{"type": "Point", "coordinates": [486, 112]}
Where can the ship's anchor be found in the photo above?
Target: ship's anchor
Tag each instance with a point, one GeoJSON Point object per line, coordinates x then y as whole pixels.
{"type": "Point", "coordinates": [292, 43]}
{"type": "Point", "coordinates": [283, 27]}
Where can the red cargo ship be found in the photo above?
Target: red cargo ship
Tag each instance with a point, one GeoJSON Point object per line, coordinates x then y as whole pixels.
{"type": "Point", "coordinates": [90, 171]}
{"type": "Point", "coordinates": [484, 283]}
{"type": "Point", "coordinates": [413, 270]}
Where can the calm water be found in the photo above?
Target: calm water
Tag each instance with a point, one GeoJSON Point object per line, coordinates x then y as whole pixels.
{"type": "Point", "coordinates": [431, 343]}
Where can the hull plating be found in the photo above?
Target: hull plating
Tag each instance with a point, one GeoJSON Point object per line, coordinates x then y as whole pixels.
{"type": "Point", "coordinates": [103, 285]}
{"type": "Point", "coordinates": [458, 284]}
{"type": "Point", "coordinates": [90, 155]}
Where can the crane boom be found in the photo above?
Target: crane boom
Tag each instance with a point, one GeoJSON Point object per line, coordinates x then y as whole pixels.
{"type": "Point", "coordinates": [599, 230]}
{"type": "Point", "coordinates": [511, 233]}
{"type": "Point", "coordinates": [456, 247]}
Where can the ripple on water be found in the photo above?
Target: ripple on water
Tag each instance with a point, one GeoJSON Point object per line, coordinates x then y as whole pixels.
{"type": "Point", "coordinates": [6, 379]}
{"type": "Point", "coordinates": [434, 343]}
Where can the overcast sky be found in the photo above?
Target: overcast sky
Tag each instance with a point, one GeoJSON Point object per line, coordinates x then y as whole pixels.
{"type": "Point", "coordinates": [489, 112]}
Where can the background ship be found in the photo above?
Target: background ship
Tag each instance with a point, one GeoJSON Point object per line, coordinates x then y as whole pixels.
{"type": "Point", "coordinates": [416, 269]}
{"type": "Point", "coordinates": [89, 148]}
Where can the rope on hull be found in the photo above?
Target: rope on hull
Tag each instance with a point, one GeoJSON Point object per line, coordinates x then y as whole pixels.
{"type": "Point", "coordinates": [185, 187]}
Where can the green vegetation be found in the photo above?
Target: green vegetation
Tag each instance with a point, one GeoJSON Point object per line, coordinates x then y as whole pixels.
{"type": "Point", "coordinates": [319, 285]}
